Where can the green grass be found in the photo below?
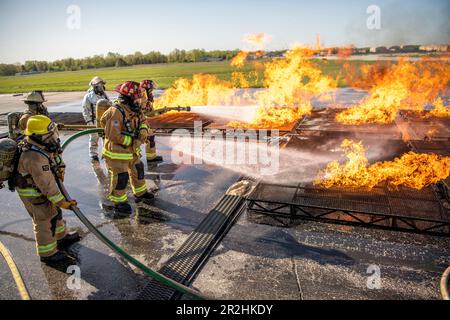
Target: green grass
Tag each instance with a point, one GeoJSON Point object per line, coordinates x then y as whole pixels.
{"type": "Point", "coordinates": [164, 74]}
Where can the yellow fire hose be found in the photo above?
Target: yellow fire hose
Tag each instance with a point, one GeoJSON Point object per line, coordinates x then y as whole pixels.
{"type": "Point", "coordinates": [445, 282]}
{"type": "Point", "coordinates": [23, 291]}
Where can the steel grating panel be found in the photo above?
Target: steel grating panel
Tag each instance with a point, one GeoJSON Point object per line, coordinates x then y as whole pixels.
{"type": "Point", "coordinates": [403, 209]}
{"type": "Point", "coordinates": [185, 264]}
{"type": "Point", "coordinates": [325, 120]}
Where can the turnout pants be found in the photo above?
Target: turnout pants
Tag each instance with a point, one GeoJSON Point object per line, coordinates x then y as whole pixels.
{"type": "Point", "coordinates": [120, 172]}
{"type": "Point", "coordinates": [93, 143]}
{"type": "Point", "coordinates": [48, 224]}
{"type": "Point", "coordinates": [150, 147]}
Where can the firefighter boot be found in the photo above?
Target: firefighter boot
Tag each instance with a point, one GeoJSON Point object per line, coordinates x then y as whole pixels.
{"type": "Point", "coordinates": [155, 159]}
{"type": "Point", "coordinates": [68, 240]}
{"type": "Point", "coordinates": [123, 209]}
{"type": "Point", "coordinates": [146, 198]}
{"type": "Point", "coordinates": [59, 259]}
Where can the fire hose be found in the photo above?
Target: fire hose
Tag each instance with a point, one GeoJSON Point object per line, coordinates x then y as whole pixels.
{"type": "Point", "coordinates": [24, 294]}
{"type": "Point", "coordinates": [151, 273]}
{"type": "Point", "coordinates": [445, 284]}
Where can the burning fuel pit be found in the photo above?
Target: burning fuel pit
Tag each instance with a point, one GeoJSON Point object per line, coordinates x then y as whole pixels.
{"type": "Point", "coordinates": [294, 195]}
{"type": "Point", "coordinates": [324, 121]}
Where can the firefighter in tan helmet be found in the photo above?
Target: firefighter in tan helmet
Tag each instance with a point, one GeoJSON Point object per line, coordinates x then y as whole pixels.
{"type": "Point", "coordinates": [146, 87]}
{"type": "Point", "coordinates": [38, 166]}
{"type": "Point", "coordinates": [125, 132]}
{"type": "Point", "coordinates": [35, 102]}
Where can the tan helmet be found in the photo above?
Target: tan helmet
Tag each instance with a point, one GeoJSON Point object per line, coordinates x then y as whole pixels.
{"type": "Point", "coordinates": [96, 80]}
{"type": "Point", "coordinates": [35, 96]}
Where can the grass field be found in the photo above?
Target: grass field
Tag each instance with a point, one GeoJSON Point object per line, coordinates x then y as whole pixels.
{"type": "Point", "coordinates": [164, 74]}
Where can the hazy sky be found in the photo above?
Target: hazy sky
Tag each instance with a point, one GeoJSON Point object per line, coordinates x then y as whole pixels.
{"type": "Point", "coordinates": [37, 30]}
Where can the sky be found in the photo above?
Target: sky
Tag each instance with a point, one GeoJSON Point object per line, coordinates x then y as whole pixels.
{"type": "Point", "coordinates": [39, 29]}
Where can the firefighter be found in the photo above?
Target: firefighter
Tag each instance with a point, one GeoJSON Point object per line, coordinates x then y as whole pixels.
{"type": "Point", "coordinates": [125, 132]}
{"type": "Point", "coordinates": [35, 102]}
{"type": "Point", "coordinates": [146, 88]}
{"type": "Point", "coordinates": [94, 94]}
{"type": "Point", "coordinates": [38, 166]}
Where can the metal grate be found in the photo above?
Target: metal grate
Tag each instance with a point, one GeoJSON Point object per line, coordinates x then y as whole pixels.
{"type": "Point", "coordinates": [403, 209]}
{"type": "Point", "coordinates": [186, 263]}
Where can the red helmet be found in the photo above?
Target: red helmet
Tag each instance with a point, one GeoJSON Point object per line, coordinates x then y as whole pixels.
{"type": "Point", "coordinates": [147, 84]}
{"type": "Point", "coordinates": [129, 89]}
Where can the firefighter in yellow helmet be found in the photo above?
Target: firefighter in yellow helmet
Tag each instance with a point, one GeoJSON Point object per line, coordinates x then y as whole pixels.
{"type": "Point", "coordinates": [35, 175]}
{"type": "Point", "coordinates": [146, 88]}
{"type": "Point", "coordinates": [125, 132]}
{"type": "Point", "coordinates": [35, 102]}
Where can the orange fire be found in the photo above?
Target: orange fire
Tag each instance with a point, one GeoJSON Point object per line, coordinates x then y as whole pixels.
{"type": "Point", "coordinates": [412, 170]}
{"type": "Point", "coordinates": [289, 83]}
{"type": "Point", "coordinates": [274, 117]}
{"type": "Point", "coordinates": [365, 76]}
{"type": "Point", "coordinates": [439, 111]}
{"type": "Point", "coordinates": [240, 59]}
{"type": "Point", "coordinates": [203, 89]}
{"type": "Point", "coordinates": [405, 85]}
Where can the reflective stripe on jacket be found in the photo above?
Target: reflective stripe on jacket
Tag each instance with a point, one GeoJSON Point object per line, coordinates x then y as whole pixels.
{"type": "Point", "coordinates": [119, 143]}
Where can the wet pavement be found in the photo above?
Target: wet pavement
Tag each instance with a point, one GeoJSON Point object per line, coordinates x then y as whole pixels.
{"type": "Point", "coordinates": [255, 261]}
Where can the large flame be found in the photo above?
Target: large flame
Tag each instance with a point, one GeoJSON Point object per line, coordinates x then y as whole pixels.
{"type": "Point", "coordinates": [289, 83]}
{"type": "Point", "coordinates": [405, 85]}
{"type": "Point", "coordinates": [201, 90]}
{"type": "Point", "coordinates": [412, 170]}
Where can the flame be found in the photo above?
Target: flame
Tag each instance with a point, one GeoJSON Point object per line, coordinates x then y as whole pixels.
{"type": "Point", "coordinates": [405, 85]}
{"type": "Point", "coordinates": [203, 89]}
{"type": "Point", "coordinates": [239, 60]}
{"type": "Point", "coordinates": [439, 111]}
{"type": "Point", "coordinates": [274, 117]}
{"type": "Point", "coordinates": [412, 170]}
{"type": "Point", "coordinates": [289, 83]}
{"type": "Point", "coordinates": [365, 76]}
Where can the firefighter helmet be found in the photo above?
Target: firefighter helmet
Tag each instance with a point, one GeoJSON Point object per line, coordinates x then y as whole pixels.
{"type": "Point", "coordinates": [34, 97]}
{"type": "Point", "coordinates": [96, 81]}
{"type": "Point", "coordinates": [147, 85]}
{"type": "Point", "coordinates": [39, 125]}
{"type": "Point", "coordinates": [129, 89]}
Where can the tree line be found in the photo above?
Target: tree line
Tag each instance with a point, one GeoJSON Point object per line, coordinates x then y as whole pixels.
{"type": "Point", "coordinates": [116, 60]}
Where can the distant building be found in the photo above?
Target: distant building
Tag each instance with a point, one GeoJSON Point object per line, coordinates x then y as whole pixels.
{"type": "Point", "coordinates": [410, 48]}
{"type": "Point", "coordinates": [379, 50]}
{"type": "Point", "coordinates": [434, 48]}
{"type": "Point", "coordinates": [395, 49]}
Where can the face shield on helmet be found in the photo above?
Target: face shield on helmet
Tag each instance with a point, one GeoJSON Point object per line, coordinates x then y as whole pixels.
{"type": "Point", "coordinates": [100, 88]}
{"type": "Point", "coordinates": [49, 140]}
{"type": "Point", "coordinates": [37, 108]}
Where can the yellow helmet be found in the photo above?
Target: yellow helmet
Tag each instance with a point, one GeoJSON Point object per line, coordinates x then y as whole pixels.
{"type": "Point", "coordinates": [34, 96]}
{"type": "Point", "coordinates": [39, 125]}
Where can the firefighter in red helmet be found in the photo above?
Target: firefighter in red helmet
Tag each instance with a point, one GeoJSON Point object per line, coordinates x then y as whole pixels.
{"type": "Point", "coordinates": [125, 132]}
